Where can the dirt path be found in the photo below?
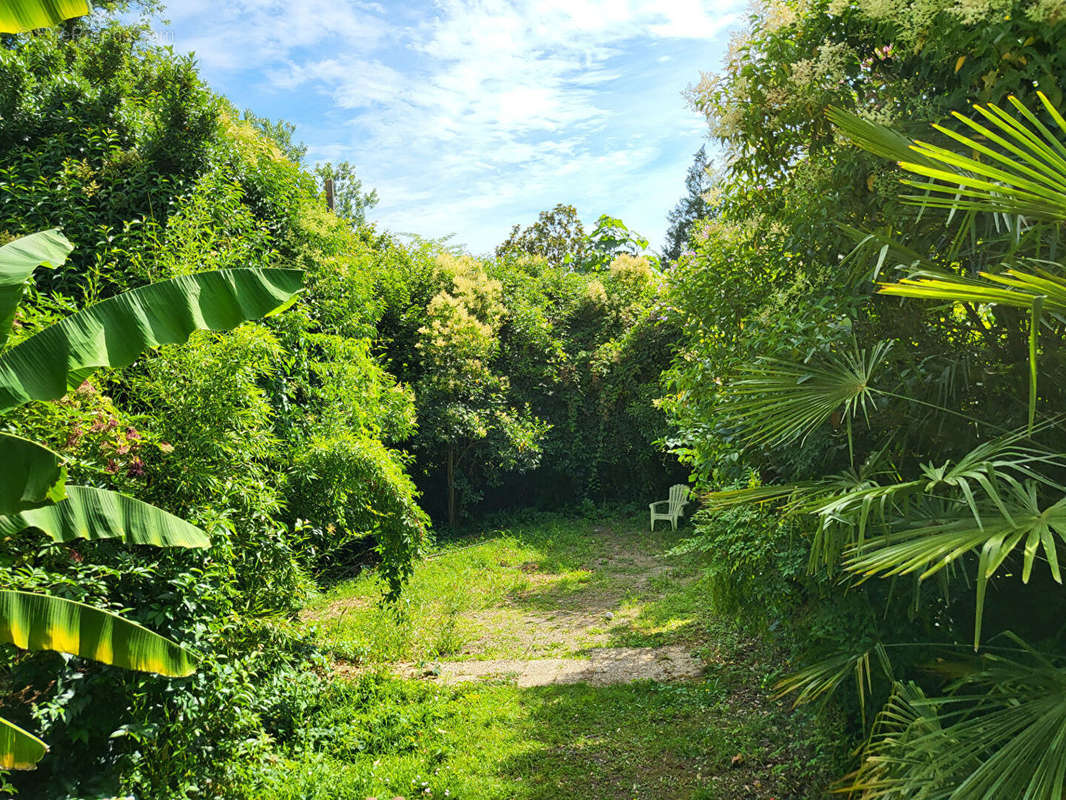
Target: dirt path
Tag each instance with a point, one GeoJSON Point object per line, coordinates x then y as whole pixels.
{"type": "Point", "coordinates": [560, 658]}
{"type": "Point", "coordinates": [571, 626]}
{"type": "Point", "coordinates": [604, 667]}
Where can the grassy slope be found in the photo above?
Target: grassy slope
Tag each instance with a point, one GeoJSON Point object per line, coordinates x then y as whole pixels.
{"type": "Point", "coordinates": [383, 737]}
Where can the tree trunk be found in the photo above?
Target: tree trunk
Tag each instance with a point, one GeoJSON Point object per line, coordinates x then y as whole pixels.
{"type": "Point", "coordinates": [451, 486]}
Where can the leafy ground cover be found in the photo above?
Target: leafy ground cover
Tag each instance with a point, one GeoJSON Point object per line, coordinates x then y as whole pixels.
{"type": "Point", "coordinates": [548, 588]}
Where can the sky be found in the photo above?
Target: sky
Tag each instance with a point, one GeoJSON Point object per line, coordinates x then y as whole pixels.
{"type": "Point", "coordinates": [468, 117]}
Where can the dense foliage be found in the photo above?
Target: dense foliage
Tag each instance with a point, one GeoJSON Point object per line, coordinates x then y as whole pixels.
{"type": "Point", "coordinates": [859, 314]}
{"type": "Point", "coordinates": [405, 377]}
{"type": "Point", "coordinates": [905, 501]}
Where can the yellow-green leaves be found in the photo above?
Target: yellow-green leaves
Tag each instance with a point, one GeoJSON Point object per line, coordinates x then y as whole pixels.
{"type": "Point", "coordinates": [19, 16]}
{"type": "Point", "coordinates": [114, 332]}
{"type": "Point", "coordinates": [42, 622]}
{"type": "Point", "coordinates": [18, 748]}
{"type": "Point", "coordinates": [89, 513]}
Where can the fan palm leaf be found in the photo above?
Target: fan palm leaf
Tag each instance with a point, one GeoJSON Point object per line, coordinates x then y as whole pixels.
{"type": "Point", "coordinates": [975, 475]}
{"type": "Point", "coordinates": [1022, 528]}
{"type": "Point", "coordinates": [1005, 738]}
{"type": "Point", "coordinates": [893, 768]}
{"type": "Point", "coordinates": [1025, 173]}
{"type": "Point", "coordinates": [820, 679]}
{"type": "Point", "coordinates": [779, 402]}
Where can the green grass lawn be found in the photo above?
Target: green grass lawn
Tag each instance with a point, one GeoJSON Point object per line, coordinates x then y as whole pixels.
{"type": "Point", "coordinates": [478, 599]}
{"type": "Point", "coordinates": [380, 736]}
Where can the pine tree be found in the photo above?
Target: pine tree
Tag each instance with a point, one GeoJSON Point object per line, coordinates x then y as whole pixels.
{"type": "Point", "coordinates": [689, 208]}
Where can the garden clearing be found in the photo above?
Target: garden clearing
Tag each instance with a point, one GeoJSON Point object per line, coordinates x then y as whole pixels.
{"type": "Point", "coordinates": [556, 658]}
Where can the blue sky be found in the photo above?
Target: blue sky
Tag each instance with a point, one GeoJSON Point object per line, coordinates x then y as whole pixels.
{"type": "Point", "coordinates": [468, 117]}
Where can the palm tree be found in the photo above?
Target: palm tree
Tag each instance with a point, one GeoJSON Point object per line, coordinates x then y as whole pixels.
{"type": "Point", "coordinates": [996, 511]}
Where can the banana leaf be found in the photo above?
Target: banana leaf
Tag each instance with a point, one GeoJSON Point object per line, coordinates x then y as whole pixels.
{"type": "Point", "coordinates": [18, 748]}
{"type": "Point", "coordinates": [89, 513]}
{"type": "Point", "coordinates": [114, 332]}
{"type": "Point", "coordinates": [44, 622]}
{"type": "Point", "coordinates": [30, 475]}
{"type": "Point", "coordinates": [19, 16]}
{"type": "Point", "coordinates": [18, 260]}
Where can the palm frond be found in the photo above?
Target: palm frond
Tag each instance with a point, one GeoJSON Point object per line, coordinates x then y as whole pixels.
{"type": "Point", "coordinates": [1023, 171]}
{"type": "Point", "coordinates": [933, 544]}
{"type": "Point", "coordinates": [1005, 738]}
{"type": "Point", "coordinates": [974, 476]}
{"type": "Point", "coordinates": [779, 402]}
{"type": "Point", "coordinates": [821, 679]}
{"type": "Point", "coordinates": [788, 494]}
{"type": "Point", "coordinates": [892, 767]}
{"type": "Point", "coordinates": [874, 138]}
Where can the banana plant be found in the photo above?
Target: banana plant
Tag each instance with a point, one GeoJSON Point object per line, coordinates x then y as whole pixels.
{"type": "Point", "coordinates": [34, 493]}
{"type": "Point", "coordinates": [19, 16]}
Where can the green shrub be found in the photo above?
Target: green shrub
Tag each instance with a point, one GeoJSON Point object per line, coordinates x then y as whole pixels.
{"type": "Point", "coordinates": [756, 563]}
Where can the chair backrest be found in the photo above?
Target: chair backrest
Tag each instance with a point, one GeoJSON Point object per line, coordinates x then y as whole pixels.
{"type": "Point", "coordinates": [678, 496]}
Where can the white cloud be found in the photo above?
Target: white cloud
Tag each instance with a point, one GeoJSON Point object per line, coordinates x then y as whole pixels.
{"type": "Point", "coordinates": [352, 82]}
{"type": "Point", "coordinates": [246, 34]}
{"type": "Point", "coordinates": [469, 113]}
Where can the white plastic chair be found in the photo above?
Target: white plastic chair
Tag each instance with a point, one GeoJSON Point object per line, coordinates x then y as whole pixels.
{"type": "Point", "coordinates": [675, 506]}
